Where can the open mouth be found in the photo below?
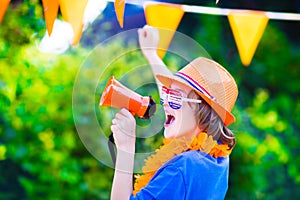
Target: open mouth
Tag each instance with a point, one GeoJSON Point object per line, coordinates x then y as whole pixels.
{"type": "Point", "coordinates": [169, 120]}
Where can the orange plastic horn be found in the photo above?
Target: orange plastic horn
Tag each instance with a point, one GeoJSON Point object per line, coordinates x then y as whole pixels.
{"type": "Point", "coordinates": [117, 95]}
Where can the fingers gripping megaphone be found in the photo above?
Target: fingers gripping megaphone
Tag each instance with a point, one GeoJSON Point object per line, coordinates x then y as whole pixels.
{"type": "Point", "coordinates": [117, 95]}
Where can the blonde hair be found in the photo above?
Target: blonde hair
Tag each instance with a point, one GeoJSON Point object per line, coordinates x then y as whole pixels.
{"type": "Point", "coordinates": [210, 122]}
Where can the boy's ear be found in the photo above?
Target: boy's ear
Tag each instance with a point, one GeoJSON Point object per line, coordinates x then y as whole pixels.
{"type": "Point", "coordinates": [193, 95]}
{"type": "Point", "coordinates": [195, 107]}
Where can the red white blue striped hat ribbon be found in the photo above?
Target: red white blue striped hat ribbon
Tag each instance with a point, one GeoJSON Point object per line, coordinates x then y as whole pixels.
{"type": "Point", "coordinates": [194, 84]}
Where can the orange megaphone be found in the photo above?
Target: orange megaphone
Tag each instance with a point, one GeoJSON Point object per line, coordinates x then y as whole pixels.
{"type": "Point", "coordinates": [117, 95]}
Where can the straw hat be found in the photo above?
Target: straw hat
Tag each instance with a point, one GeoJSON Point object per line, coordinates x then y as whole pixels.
{"type": "Point", "coordinates": [211, 81]}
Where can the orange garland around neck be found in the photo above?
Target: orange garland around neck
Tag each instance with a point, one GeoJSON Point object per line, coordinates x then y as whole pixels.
{"type": "Point", "coordinates": [170, 148]}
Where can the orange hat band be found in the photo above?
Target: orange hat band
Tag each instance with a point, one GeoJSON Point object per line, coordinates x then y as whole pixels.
{"type": "Point", "coordinates": [194, 84]}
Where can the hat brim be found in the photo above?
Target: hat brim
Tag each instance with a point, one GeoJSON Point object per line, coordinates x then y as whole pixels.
{"type": "Point", "coordinates": [225, 115]}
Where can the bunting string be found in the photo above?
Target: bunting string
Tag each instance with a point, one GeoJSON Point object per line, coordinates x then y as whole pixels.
{"type": "Point", "coordinates": [247, 25]}
{"type": "Point", "coordinates": [220, 11]}
{"type": "Point", "coordinates": [226, 11]}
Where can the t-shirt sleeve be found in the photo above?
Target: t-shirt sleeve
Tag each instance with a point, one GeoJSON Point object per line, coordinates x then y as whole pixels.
{"type": "Point", "coordinates": [167, 183]}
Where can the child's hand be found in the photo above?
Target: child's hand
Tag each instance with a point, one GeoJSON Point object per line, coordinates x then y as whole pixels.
{"type": "Point", "coordinates": [123, 128]}
{"type": "Point", "coordinates": [148, 38]}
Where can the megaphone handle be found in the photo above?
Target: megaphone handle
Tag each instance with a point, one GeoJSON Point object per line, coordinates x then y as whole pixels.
{"type": "Point", "coordinates": [111, 147]}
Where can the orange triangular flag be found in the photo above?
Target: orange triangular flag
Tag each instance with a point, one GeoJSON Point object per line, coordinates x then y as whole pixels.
{"type": "Point", "coordinates": [247, 28]}
{"type": "Point", "coordinates": [72, 11]}
{"type": "Point", "coordinates": [165, 17]}
{"type": "Point", "coordinates": [3, 6]}
{"type": "Point", "coordinates": [119, 9]}
{"type": "Point", "coordinates": [50, 12]}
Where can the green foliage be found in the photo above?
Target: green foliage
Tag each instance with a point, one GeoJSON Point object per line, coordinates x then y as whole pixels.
{"type": "Point", "coordinates": [42, 157]}
{"type": "Point", "coordinates": [38, 138]}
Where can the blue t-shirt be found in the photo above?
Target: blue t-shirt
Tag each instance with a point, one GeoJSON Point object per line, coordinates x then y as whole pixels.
{"type": "Point", "coordinates": [192, 175]}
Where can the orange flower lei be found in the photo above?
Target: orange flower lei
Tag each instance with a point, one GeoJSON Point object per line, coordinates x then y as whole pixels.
{"type": "Point", "coordinates": [170, 148]}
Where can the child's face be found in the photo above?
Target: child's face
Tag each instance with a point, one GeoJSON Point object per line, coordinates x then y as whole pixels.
{"type": "Point", "coordinates": [181, 122]}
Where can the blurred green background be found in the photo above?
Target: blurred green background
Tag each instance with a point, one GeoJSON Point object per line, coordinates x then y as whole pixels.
{"type": "Point", "coordinates": [42, 156]}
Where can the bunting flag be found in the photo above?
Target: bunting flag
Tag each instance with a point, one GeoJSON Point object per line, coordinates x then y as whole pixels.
{"type": "Point", "coordinates": [166, 18]}
{"type": "Point", "coordinates": [247, 28]}
{"type": "Point", "coordinates": [72, 11]}
{"type": "Point", "coordinates": [50, 13]}
{"type": "Point", "coordinates": [119, 9]}
{"type": "Point", "coordinates": [3, 6]}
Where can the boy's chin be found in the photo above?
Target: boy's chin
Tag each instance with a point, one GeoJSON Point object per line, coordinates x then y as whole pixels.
{"type": "Point", "coordinates": [168, 134]}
